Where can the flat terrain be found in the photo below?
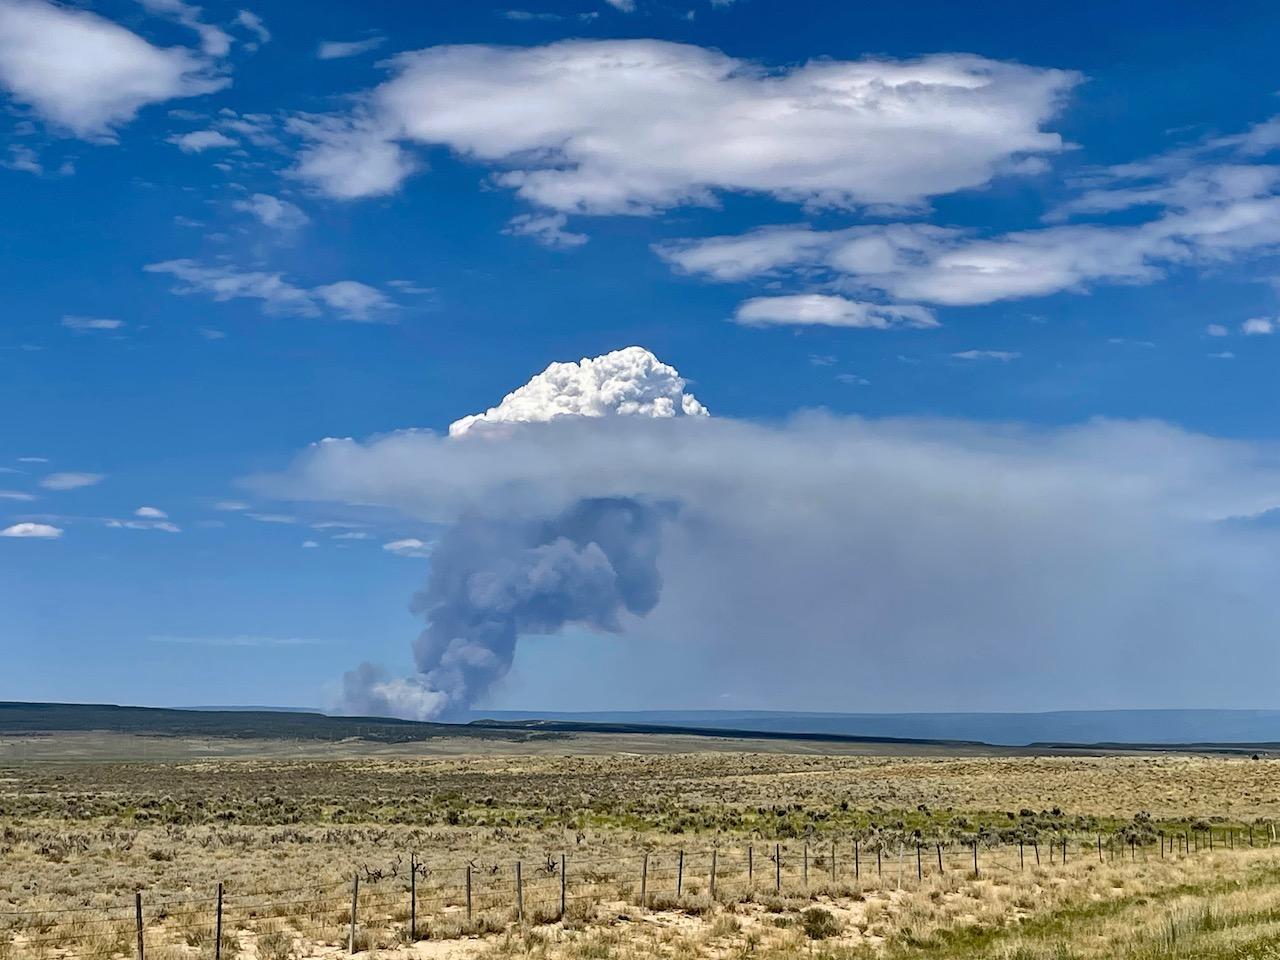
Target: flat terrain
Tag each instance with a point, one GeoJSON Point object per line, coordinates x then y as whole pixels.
{"type": "Point", "coordinates": [832, 849]}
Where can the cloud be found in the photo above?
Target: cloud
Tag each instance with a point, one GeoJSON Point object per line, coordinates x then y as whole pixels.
{"type": "Point", "coordinates": [816, 309]}
{"type": "Point", "coordinates": [309, 545]}
{"type": "Point", "coordinates": [198, 141]}
{"type": "Point", "coordinates": [1004, 356]}
{"type": "Point", "coordinates": [355, 301]}
{"type": "Point", "coordinates": [151, 513]}
{"type": "Point", "coordinates": [253, 23]}
{"type": "Point", "coordinates": [997, 554]}
{"type": "Point", "coordinates": [1258, 327]}
{"type": "Point", "coordinates": [349, 157]}
{"type": "Point", "coordinates": [23, 159]}
{"type": "Point", "coordinates": [214, 41]}
{"type": "Point", "coordinates": [695, 123]}
{"type": "Point", "coordinates": [163, 526]}
{"type": "Point", "coordinates": [16, 495]}
{"type": "Point", "coordinates": [1193, 211]}
{"type": "Point", "coordinates": [1216, 330]}
{"type": "Point", "coordinates": [346, 299]}
{"type": "Point", "coordinates": [626, 6]}
{"type": "Point", "coordinates": [339, 49]}
{"type": "Point", "coordinates": [33, 531]}
{"type": "Point", "coordinates": [273, 212]}
{"type": "Point", "coordinates": [82, 324]}
{"type": "Point", "coordinates": [87, 75]}
{"type": "Point", "coordinates": [71, 481]}
{"type": "Point", "coordinates": [231, 505]}
{"type": "Point", "coordinates": [239, 641]}
{"type": "Point", "coordinates": [548, 229]}
{"type": "Point", "coordinates": [627, 382]}
{"type": "Point", "coordinates": [272, 517]}
{"type": "Point", "coordinates": [408, 547]}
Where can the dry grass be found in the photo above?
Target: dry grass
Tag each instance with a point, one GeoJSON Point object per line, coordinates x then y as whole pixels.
{"type": "Point", "coordinates": [285, 836]}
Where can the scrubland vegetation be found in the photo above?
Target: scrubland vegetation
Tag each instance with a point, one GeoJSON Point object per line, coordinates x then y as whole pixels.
{"type": "Point", "coordinates": [839, 856]}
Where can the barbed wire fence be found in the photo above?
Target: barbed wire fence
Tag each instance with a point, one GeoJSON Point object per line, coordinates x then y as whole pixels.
{"type": "Point", "coordinates": [399, 904]}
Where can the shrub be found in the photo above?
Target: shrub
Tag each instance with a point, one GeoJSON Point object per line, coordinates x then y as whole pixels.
{"type": "Point", "coordinates": [819, 924]}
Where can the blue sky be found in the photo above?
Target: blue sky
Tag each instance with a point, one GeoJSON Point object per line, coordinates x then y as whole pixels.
{"type": "Point", "coordinates": [231, 232]}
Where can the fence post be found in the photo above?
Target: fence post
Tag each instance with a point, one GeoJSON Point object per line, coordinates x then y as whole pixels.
{"type": "Point", "coordinates": [680, 875]}
{"type": "Point", "coordinates": [857, 860]}
{"type": "Point", "coordinates": [940, 870]}
{"type": "Point", "coordinates": [1021, 861]}
{"type": "Point", "coordinates": [413, 898]}
{"type": "Point", "coordinates": [355, 894]}
{"type": "Point", "coordinates": [714, 853]}
{"type": "Point", "coordinates": [564, 882]}
{"type": "Point", "coordinates": [1064, 851]}
{"type": "Point", "coordinates": [519, 893]}
{"type": "Point", "coordinates": [777, 868]}
{"type": "Point", "coordinates": [1133, 850]}
{"type": "Point", "coordinates": [217, 928]}
{"type": "Point", "coordinates": [1099, 848]}
{"type": "Point", "coordinates": [975, 859]}
{"type": "Point", "coordinates": [805, 868]}
{"type": "Point", "coordinates": [137, 909]}
{"type": "Point", "coordinates": [919, 868]}
{"type": "Point", "coordinates": [751, 872]}
{"type": "Point", "coordinates": [469, 914]}
{"type": "Point", "coordinates": [1035, 845]}
{"type": "Point", "coordinates": [879, 862]}
{"type": "Point", "coordinates": [833, 861]}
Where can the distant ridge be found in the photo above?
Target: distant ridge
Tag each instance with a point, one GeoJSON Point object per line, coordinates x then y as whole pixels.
{"type": "Point", "coordinates": [1231, 731]}
{"type": "Point", "coordinates": [1173, 727]}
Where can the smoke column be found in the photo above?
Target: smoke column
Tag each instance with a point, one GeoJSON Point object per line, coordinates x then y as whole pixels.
{"type": "Point", "coordinates": [493, 580]}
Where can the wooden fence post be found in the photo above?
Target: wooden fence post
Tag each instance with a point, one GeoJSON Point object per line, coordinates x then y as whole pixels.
{"type": "Point", "coordinates": [975, 858]}
{"type": "Point", "coordinates": [1021, 859]}
{"type": "Point", "coordinates": [680, 875]}
{"type": "Point", "coordinates": [137, 909]}
{"type": "Point", "coordinates": [519, 893]}
{"type": "Point", "coordinates": [413, 898]}
{"type": "Point", "coordinates": [940, 870]}
{"type": "Point", "coordinates": [777, 868]}
{"type": "Point", "coordinates": [1099, 848]}
{"type": "Point", "coordinates": [919, 868]}
{"type": "Point", "coordinates": [1035, 845]}
{"type": "Point", "coordinates": [857, 860]}
{"type": "Point", "coordinates": [751, 875]}
{"type": "Point", "coordinates": [217, 927]}
{"type": "Point", "coordinates": [644, 880]}
{"type": "Point", "coordinates": [564, 882]}
{"type": "Point", "coordinates": [805, 868]}
{"type": "Point", "coordinates": [833, 861]}
{"type": "Point", "coordinates": [879, 862]}
{"type": "Point", "coordinates": [469, 913]}
{"type": "Point", "coordinates": [355, 895]}
{"type": "Point", "coordinates": [1064, 851]}
{"type": "Point", "coordinates": [714, 853]}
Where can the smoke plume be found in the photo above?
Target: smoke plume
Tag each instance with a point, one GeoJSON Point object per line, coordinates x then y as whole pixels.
{"type": "Point", "coordinates": [830, 563]}
{"type": "Point", "coordinates": [493, 580]}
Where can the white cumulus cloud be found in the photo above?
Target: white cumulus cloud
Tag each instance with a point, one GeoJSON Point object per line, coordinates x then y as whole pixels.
{"type": "Point", "coordinates": [82, 324]}
{"type": "Point", "coordinates": [627, 382]}
{"type": "Point", "coordinates": [635, 126]}
{"type": "Point", "coordinates": [34, 531]}
{"type": "Point", "coordinates": [88, 75]}
{"type": "Point", "coordinates": [151, 513]}
{"type": "Point", "coordinates": [198, 141]}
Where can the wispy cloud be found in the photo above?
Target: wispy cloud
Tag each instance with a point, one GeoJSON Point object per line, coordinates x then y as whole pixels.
{"type": "Point", "coordinates": [71, 481]}
{"type": "Point", "coordinates": [241, 641]}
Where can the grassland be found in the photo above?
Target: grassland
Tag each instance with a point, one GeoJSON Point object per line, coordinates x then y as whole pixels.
{"type": "Point", "coordinates": [284, 826]}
